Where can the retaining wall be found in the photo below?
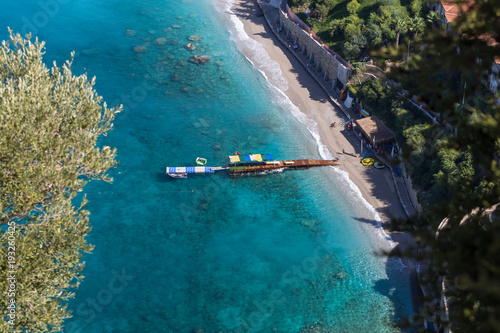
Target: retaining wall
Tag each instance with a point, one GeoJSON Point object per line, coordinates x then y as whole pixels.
{"type": "Point", "coordinates": [333, 68]}
{"type": "Point", "coordinates": [412, 194]}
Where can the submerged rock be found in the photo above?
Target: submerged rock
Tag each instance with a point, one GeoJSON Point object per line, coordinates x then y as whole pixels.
{"type": "Point", "coordinates": [130, 32]}
{"type": "Point", "coordinates": [335, 278]}
{"type": "Point", "coordinates": [89, 52]}
{"type": "Point", "coordinates": [315, 328]}
{"type": "Point", "coordinates": [194, 38]}
{"type": "Point", "coordinates": [199, 59]}
{"type": "Point", "coordinates": [198, 330]}
{"type": "Point", "coordinates": [217, 147]}
{"type": "Point", "coordinates": [309, 223]}
{"type": "Point", "coordinates": [139, 49]}
{"type": "Point", "coordinates": [160, 41]}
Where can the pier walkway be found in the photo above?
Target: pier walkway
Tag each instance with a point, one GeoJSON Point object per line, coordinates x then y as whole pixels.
{"type": "Point", "coordinates": [287, 164]}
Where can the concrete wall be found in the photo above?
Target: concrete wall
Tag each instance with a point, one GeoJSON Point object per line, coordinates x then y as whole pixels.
{"type": "Point", "coordinates": [411, 192]}
{"type": "Point", "coordinates": [330, 65]}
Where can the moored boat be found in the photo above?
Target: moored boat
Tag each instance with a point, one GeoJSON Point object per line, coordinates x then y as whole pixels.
{"type": "Point", "coordinates": [201, 161]}
{"type": "Point", "coordinates": [262, 163]}
{"type": "Point", "coordinates": [177, 175]}
{"type": "Point", "coordinates": [182, 172]}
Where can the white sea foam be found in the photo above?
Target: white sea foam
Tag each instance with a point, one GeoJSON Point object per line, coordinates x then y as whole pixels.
{"type": "Point", "coordinates": [343, 176]}
{"type": "Point", "coordinates": [252, 50]}
{"type": "Point", "coordinates": [259, 58]}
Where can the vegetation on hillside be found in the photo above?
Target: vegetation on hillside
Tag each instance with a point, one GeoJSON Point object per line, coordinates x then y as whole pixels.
{"type": "Point", "coordinates": [456, 170]}
{"type": "Point", "coordinates": [416, 135]}
{"type": "Point", "coordinates": [351, 28]}
{"type": "Point", "coordinates": [50, 121]}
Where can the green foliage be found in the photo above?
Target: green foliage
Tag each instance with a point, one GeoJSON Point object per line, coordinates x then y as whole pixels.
{"type": "Point", "coordinates": [321, 11]}
{"type": "Point", "coordinates": [464, 251]}
{"type": "Point", "coordinates": [298, 3]}
{"type": "Point", "coordinates": [416, 8]}
{"type": "Point", "coordinates": [353, 7]}
{"type": "Point", "coordinates": [375, 94]}
{"type": "Point", "coordinates": [417, 24]}
{"type": "Point", "coordinates": [338, 22]}
{"type": "Point", "coordinates": [50, 121]}
{"type": "Point", "coordinates": [359, 39]}
{"type": "Point", "coordinates": [331, 3]}
{"type": "Point", "coordinates": [321, 8]}
{"type": "Point", "coordinates": [358, 68]}
{"type": "Point", "coordinates": [352, 27]}
{"type": "Point", "coordinates": [433, 18]}
{"type": "Point", "coordinates": [351, 51]}
{"type": "Point", "coordinates": [416, 137]}
{"type": "Point", "coordinates": [456, 169]}
{"type": "Point", "coordinates": [374, 34]}
{"type": "Point", "coordinates": [400, 26]}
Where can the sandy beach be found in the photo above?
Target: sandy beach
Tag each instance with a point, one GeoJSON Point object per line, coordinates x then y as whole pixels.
{"type": "Point", "coordinates": [376, 186]}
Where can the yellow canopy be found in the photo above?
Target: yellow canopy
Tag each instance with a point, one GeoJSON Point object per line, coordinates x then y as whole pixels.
{"type": "Point", "coordinates": [234, 158]}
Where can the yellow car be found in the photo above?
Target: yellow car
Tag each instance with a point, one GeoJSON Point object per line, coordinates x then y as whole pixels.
{"type": "Point", "coordinates": [367, 161]}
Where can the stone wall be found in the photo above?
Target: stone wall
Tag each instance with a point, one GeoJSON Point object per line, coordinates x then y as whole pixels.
{"type": "Point", "coordinates": [335, 70]}
{"type": "Point", "coordinates": [411, 192]}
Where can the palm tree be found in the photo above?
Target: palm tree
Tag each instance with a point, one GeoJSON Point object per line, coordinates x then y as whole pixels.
{"type": "Point", "coordinates": [417, 25]}
{"type": "Point", "coordinates": [401, 26]}
{"type": "Point", "coordinates": [433, 18]}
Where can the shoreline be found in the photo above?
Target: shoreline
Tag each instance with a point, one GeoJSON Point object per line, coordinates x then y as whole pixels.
{"type": "Point", "coordinates": [376, 186]}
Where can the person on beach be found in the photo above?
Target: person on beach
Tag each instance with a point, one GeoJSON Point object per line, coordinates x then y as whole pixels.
{"type": "Point", "coordinates": [332, 124]}
{"type": "Point", "coordinates": [343, 151]}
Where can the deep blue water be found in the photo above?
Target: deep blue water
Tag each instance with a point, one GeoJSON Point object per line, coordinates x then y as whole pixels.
{"type": "Point", "coordinates": [250, 254]}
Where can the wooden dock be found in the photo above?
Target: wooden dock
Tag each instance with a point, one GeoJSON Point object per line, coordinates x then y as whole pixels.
{"type": "Point", "coordinates": [287, 164]}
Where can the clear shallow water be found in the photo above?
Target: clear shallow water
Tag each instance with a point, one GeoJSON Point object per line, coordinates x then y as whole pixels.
{"type": "Point", "coordinates": [249, 254]}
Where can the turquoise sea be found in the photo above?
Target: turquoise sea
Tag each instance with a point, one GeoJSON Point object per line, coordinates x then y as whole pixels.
{"type": "Point", "coordinates": [286, 252]}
